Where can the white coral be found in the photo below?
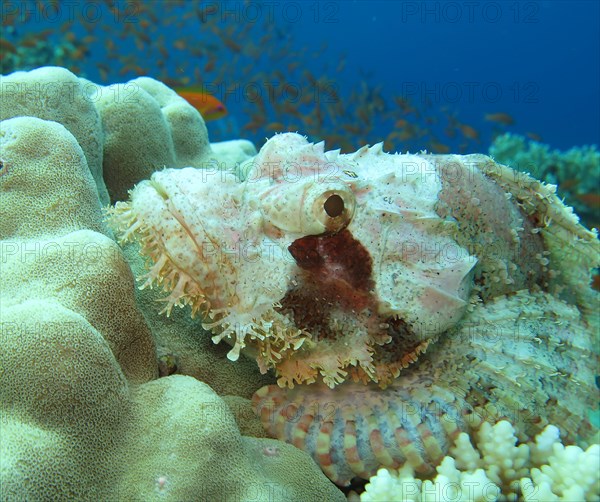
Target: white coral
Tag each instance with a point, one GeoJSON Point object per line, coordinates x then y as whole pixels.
{"type": "Point", "coordinates": [504, 461]}
{"type": "Point", "coordinates": [570, 474]}
{"type": "Point", "coordinates": [388, 486]}
{"type": "Point", "coordinates": [497, 468]}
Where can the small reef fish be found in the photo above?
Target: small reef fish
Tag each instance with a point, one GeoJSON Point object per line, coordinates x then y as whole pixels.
{"type": "Point", "coordinates": [209, 107]}
{"type": "Point", "coordinates": [596, 282]}
{"type": "Point", "coordinates": [534, 136]}
{"type": "Point", "coordinates": [7, 46]}
{"type": "Point", "coordinates": [590, 199]}
{"type": "Point", "coordinates": [500, 118]}
{"type": "Point", "coordinates": [275, 126]}
{"type": "Point", "coordinates": [468, 132]}
{"type": "Point", "coordinates": [438, 147]}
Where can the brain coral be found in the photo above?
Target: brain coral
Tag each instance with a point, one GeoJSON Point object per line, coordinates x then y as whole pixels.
{"type": "Point", "coordinates": [53, 93]}
{"type": "Point", "coordinates": [82, 415]}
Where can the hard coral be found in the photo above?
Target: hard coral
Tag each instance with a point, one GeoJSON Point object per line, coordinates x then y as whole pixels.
{"type": "Point", "coordinates": [126, 131]}
{"type": "Point", "coordinates": [575, 171]}
{"type": "Point", "coordinates": [85, 110]}
{"type": "Point", "coordinates": [147, 126]}
{"type": "Point", "coordinates": [82, 416]}
{"type": "Point", "coordinates": [497, 469]}
{"type": "Point", "coordinates": [53, 93]}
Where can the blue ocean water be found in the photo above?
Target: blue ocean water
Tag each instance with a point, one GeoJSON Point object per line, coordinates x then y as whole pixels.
{"type": "Point", "coordinates": [536, 62]}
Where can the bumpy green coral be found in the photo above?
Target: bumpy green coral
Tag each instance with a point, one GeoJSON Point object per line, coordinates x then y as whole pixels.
{"type": "Point", "coordinates": [53, 93]}
{"type": "Point", "coordinates": [147, 127]}
{"type": "Point", "coordinates": [82, 413]}
{"type": "Point", "coordinates": [126, 131]}
{"type": "Point", "coordinates": [575, 171]}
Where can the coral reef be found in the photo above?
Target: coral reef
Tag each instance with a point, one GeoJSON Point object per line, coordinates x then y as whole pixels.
{"type": "Point", "coordinates": [83, 414]}
{"type": "Point", "coordinates": [53, 93]}
{"type": "Point", "coordinates": [47, 92]}
{"type": "Point", "coordinates": [496, 468]}
{"type": "Point", "coordinates": [402, 300]}
{"type": "Point", "coordinates": [147, 127]}
{"type": "Point", "coordinates": [575, 171]}
{"type": "Point", "coordinates": [127, 131]}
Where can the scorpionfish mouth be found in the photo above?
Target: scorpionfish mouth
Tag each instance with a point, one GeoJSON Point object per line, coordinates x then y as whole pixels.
{"type": "Point", "coordinates": [333, 298]}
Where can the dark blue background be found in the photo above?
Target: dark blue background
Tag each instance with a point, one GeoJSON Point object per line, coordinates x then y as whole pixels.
{"type": "Point", "coordinates": [535, 60]}
{"type": "Point", "coordinates": [543, 56]}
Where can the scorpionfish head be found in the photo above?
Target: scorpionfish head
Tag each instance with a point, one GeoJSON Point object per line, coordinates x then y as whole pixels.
{"type": "Point", "coordinates": [322, 266]}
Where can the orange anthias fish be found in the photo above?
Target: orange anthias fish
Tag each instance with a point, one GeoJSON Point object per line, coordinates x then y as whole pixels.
{"type": "Point", "coordinates": [7, 46]}
{"type": "Point", "coordinates": [468, 131]}
{"type": "Point", "coordinates": [591, 200]}
{"type": "Point", "coordinates": [500, 118]}
{"type": "Point", "coordinates": [596, 282]}
{"type": "Point", "coordinates": [209, 107]}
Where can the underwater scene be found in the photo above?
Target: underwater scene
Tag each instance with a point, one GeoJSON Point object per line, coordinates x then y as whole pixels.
{"type": "Point", "coordinates": [299, 250]}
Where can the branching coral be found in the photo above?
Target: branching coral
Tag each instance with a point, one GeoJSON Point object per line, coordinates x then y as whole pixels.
{"type": "Point", "coordinates": [497, 468]}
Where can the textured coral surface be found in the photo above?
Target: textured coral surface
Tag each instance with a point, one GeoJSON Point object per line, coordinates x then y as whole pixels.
{"type": "Point", "coordinates": [496, 468]}
{"type": "Point", "coordinates": [83, 414]}
{"type": "Point", "coordinates": [54, 93]}
{"type": "Point", "coordinates": [397, 300]}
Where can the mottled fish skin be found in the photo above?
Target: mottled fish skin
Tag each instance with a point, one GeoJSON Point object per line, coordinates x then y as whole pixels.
{"type": "Point", "coordinates": [526, 357]}
{"type": "Point", "coordinates": [399, 299]}
{"type": "Point", "coordinates": [523, 351]}
{"type": "Point", "coordinates": [325, 267]}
